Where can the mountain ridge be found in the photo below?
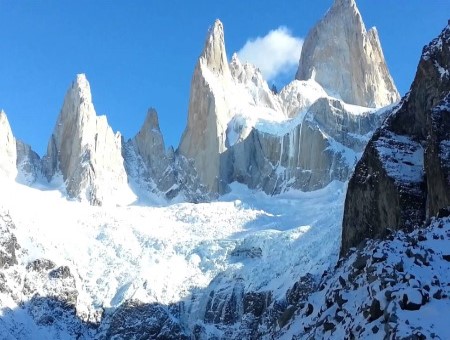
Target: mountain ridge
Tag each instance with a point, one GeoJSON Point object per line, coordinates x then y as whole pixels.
{"type": "Point", "coordinates": [237, 130]}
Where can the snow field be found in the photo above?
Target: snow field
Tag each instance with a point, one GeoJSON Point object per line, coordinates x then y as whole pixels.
{"type": "Point", "coordinates": [167, 253]}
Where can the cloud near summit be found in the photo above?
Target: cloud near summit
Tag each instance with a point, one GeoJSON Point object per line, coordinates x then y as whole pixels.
{"type": "Point", "coordinates": [278, 52]}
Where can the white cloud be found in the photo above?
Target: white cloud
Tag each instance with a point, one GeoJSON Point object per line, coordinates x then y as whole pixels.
{"type": "Point", "coordinates": [276, 53]}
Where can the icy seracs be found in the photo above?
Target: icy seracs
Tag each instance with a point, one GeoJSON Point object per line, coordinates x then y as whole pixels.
{"type": "Point", "coordinates": [85, 150]}
{"type": "Point", "coordinates": [346, 59]}
{"type": "Point", "coordinates": [8, 153]}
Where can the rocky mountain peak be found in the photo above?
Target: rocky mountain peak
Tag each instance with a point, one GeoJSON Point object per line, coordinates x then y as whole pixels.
{"type": "Point", "coordinates": [214, 55]}
{"type": "Point", "coordinates": [149, 144]}
{"type": "Point", "coordinates": [345, 4]}
{"type": "Point", "coordinates": [151, 121]}
{"type": "Point", "coordinates": [80, 92]}
{"type": "Point", "coordinates": [346, 60]}
{"type": "Point", "coordinates": [85, 150]}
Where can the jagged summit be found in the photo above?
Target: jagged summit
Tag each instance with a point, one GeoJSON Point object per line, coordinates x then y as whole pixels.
{"type": "Point", "coordinates": [346, 59]}
{"type": "Point", "coordinates": [203, 139]}
{"type": "Point", "coordinates": [149, 139]}
{"type": "Point", "coordinates": [214, 54]}
{"type": "Point", "coordinates": [151, 120]}
{"type": "Point", "coordinates": [239, 130]}
{"type": "Point", "coordinates": [345, 3]}
{"type": "Point", "coordinates": [81, 86]}
{"type": "Point", "coordinates": [85, 151]}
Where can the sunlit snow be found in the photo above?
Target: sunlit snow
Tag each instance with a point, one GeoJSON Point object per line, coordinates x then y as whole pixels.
{"type": "Point", "coordinates": [168, 253]}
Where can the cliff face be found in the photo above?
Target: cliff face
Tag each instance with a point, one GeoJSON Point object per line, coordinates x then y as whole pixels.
{"type": "Point", "coordinates": [85, 150]}
{"type": "Point", "coordinates": [8, 154]}
{"type": "Point", "coordinates": [29, 164]}
{"type": "Point", "coordinates": [323, 147]}
{"type": "Point", "coordinates": [346, 59]}
{"type": "Point", "coordinates": [403, 175]}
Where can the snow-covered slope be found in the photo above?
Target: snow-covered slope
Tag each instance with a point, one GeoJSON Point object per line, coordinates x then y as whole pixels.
{"type": "Point", "coordinates": [95, 260]}
{"type": "Point", "coordinates": [396, 289]}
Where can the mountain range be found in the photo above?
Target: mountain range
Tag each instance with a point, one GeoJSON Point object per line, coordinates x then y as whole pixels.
{"type": "Point", "coordinates": [320, 211]}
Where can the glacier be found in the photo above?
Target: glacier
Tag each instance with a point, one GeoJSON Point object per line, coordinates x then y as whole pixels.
{"type": "Point", "coordinates": [168, 253]}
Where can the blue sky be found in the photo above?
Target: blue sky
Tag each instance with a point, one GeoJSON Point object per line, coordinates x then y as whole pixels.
{"type": "Point", "coordinates": [139, 54]}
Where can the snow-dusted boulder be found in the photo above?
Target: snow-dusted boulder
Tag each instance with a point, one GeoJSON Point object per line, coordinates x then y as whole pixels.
{"type": "Point", "coordinates": [8, 153]}
{"type": "Point", "coordinates": [86, 151]}
{"type": "Point", "coordinates": [346, 59]}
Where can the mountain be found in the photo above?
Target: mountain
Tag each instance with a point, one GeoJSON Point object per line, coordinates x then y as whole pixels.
{"type": "Point", "coordinates": [208, 113]}
{"type": "Point", "coordinates": [237, 130]}
{"type": "Point", "coordinates": [153, 169]}
{"type": "Point", "coordinates": [346, 60]}
{"type": "Point", "coordinates": [392, 278]}
{"type": "Point", "coordinates": [85, 151]}
{"type": "Point", "coordinates": [237, 234]}
{"type": "Point", "coordinates": [303, 138]}
{"type": "Point", "coordinates": [403, 176]}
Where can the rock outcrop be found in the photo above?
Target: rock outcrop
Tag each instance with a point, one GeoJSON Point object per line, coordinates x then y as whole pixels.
{"type": "Point", "coordinates": [323, 147]}
{"type": "Point", "coordinates": [85, 150]}
{"type": "Point", "coordinates": [346, 59]}
{"type": "Point", "coordinates": [29, 165]}
{"type": "Point", "coordinates": [403, 176]}
{"type": "Point", "coordinates": [8, 153]}
{"type": "Point", "coordinates": [385, 289]}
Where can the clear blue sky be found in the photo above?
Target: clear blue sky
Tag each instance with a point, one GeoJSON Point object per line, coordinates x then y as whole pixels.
{"type": "Point", "coordinates": [139, 54]}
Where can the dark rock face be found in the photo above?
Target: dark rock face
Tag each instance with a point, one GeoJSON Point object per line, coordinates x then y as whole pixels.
{"type": "Point", "coordinates": [301, 290]}
{"type": "Point", "coordinates": [404, 176]}
{"type": "Point", "coordinates": [40, 265]}
{"type": "Point", "coordinates": [135, 320]}
{"type": "Point", "coordinates": [8, 243]}
{"type": "Point", "coordinates": [437, 158]}
{"type": "Point", "coordinates": [225, 306]}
